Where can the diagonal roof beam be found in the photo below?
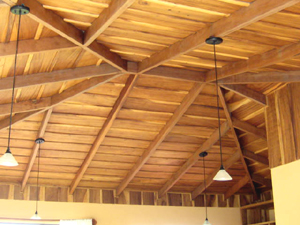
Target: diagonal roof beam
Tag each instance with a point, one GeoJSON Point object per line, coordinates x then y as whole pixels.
{"type": "Point", "coordinates": [235, 188]}
{"type": "Point", "coordinates": [32, 46]}
{"type": "Point", "coordinates": [185, 104]}
{"type": "Point", "coordinates": [257, 61]}
{"type": "Point", "coordinates": [256, 158]}
{"type": "Point", "coordinates": [246, 92]}
{"type": "Point", "coordinates": [193, 159]}
{"type": "Point", "coordinates": [263, 77]}
{"type": "Point", "coordinates": [104, 130]}
{"type": "Point", "coordinates": [236, 139]}
{"type": "Point", "coordinates": [249, 128]}
{"type": "Point", "coordinates": [55, 23]}
{"type": "Point", "coordinates": [58, 76]}
{"type": "Point", "coordinates": [228, 163]}
{"type": "Point", "coordinates": [105, 19]}
{"type": "Point", "coordinates": [258, 10]}
{"type": "Point", "coordinates": [59, 98]}
{"type": "Point", "coordinates": [35, 149]}
{"type": "Point", "coordinates": [34, 104]}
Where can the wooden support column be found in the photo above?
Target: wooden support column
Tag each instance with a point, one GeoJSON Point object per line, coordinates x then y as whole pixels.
{"type": "Point", "coordinates": [283, 125]}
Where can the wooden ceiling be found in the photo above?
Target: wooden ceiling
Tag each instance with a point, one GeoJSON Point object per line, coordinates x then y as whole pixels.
{"type": "Point", "coordinates": [123, 91]}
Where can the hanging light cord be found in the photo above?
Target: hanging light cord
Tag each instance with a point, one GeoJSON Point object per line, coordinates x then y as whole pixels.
{"type": "Point", "coordinates": [205, 200]}
{"type": "Point", "coordinates": [37, 181]}
{"type": "Point", "coordinates": [14, 82]}
{"type": "Point", "coordinates": [218, 107]}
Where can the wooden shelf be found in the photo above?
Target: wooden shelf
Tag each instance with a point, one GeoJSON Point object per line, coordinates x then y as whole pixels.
{"type": "Point", "coordinates": [264, 223]}
{"type": "Point", "coordinates": [261, 205]}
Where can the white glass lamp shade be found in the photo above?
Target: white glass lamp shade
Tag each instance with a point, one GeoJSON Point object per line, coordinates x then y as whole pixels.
{"type": "Point", "coordinates": [222, 175]}
{"type": "Point", "coordinates": [206, 222]}
{"type": "Point", "coordinates": [8, 159]}
{"type": "Point", "coordinates": [36, 216]}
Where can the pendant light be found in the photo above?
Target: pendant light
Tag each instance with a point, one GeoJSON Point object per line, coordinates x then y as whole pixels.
{"type": "Point", "coordinates": [8, 159]}
{"type": "Point", "coordinates": [36, 215]}
{"type": "Point", "coordinates": [222, 175]}
{"type": "Point", "coordinates": [203, 155]}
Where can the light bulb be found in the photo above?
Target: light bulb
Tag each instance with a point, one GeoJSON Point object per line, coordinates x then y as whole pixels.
{"type": "Point", "coordinates": [36, 216]}
{"type": "Point", "coordinates": [206, 222]}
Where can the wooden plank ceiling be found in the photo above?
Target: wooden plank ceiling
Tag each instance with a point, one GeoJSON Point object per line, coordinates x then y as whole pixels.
{"type": "Point", "coordinates": [123, 92]}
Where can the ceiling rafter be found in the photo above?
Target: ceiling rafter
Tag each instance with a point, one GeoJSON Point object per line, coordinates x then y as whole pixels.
{"type": "Point", "coordinates": [58, 76]}
{"type": "Point", "coordinates": [249, 128]}
{"type": "Point", "coordinates": [256, 158]}
{"type": "Point", "coordinates": [193, 159]}
{"type": "Point", "coordinates": [55, 23]}
{"type": "Point", "coordinates": [59, 98]}
{"type": "Point", "coordinates": [32, 46]}
{"type": "Point", "coordinates": [262, 77]}
{"type": "Point", "coordinates": [246, 92]}
{"type": "Point", "coordinates": [258, 10]}
{"type": "Point", "coordinates": [209, 180]}
{"type": "Point", "coordinates": [235, 188]}
{"type": "Point", "coordinates": [236, 139]}
{"type": "Point", "coordinates": [261, 180]}
{"type": "Point", "coordinates": [185, 104]}
{"type": "Point", "coordinates": [105, 19]}
{"type": "Point", "coordinates": [257, 61]}
{"type": "Point", "coordinates": [43, 103]}
{"type": "Point", "coordinates": [35, 149]}
{"type": "Point", "coordinates": [104, 130]}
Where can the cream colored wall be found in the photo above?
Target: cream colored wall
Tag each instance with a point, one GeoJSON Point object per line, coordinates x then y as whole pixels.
{"type": "Point", "coordinates": [106, 214]}
{"type": "Point", "coordinates": [286, 191]}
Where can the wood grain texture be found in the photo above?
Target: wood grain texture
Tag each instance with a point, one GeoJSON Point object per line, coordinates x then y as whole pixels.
{"type": "Point", "coordinates": [188, 100]}
{"type": "Point", "coordinates": [194, 158]}
{"type": "Point", "coordinates": [36, 146]}
{"type": "Point", "coordinates": [241, 18]}
{"type": "Point", "coordinates": [102, 133]}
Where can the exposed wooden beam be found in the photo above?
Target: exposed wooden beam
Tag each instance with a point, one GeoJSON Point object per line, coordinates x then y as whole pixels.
{"type": "Point", "coordinates": [246, 92]}
{"type": "Point", "coordinates": [257, 61]}
{"type": "Point", "coordinates": [185, 104]}
{"type": "Point", "coordinates": [38, 104]}
{"type": "Point", "coordinates": [32, 46]}
{"type": "Point", "coordinates": [104, 130]}
{"type": "Point", "coordinates": [35, 149]}
{"type": "Point", "coordinates": [227, 164]}
{"type": "Point", "coordinates": [193, 159]}
{"type": "Point", "coordinates": [177, 74]}
{"type": "Point", "coordinates": [261, 180]}
{"type": "Point", "coordinates": [105, 19]}
{"type": "Point", "coordinates": [235, 138]}
{"type": "Point", "coordinates": [235, 188]}
{"type": "Point", "coordinates": [58, 76]}
{"type": "Point", "coordinates": [254, 157]}
{"type": "Point", "coordinates": [258, 10]}
{"type": "Point", "coordinates": [56, 23]}
{"type": "Point", "coordinates": [59, 98]}
{"type": "Point", "coordinates": [263, 77]}
{"type": "Point", "coordinates": [249, 128]}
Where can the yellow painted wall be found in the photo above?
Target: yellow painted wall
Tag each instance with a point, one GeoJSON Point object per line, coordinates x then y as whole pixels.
{"type": "Point", "coordinates": [107, 214]}
{"type": "Point", "coordinates": [286, 191]}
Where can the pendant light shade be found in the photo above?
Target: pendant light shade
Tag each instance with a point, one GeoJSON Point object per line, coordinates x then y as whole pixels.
{"type": "Point", "coordinates": [206, 222]}
{"type": "Point", "coordinates": [222, 175]}
{"type": "Point", "coordinates": [8, 159]}
{"type": "Point", "coordinates": [36, 216]}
